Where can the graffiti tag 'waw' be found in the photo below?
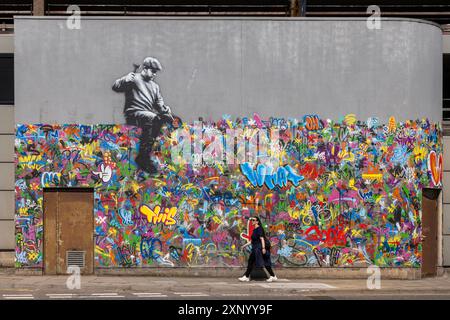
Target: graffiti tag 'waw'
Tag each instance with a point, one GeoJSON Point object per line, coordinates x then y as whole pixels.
{"type": "Point", "coordinates": [265, 175]}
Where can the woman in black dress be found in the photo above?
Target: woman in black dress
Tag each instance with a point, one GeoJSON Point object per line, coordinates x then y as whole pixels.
{"type": "Point", "coordinates": [260, 254]}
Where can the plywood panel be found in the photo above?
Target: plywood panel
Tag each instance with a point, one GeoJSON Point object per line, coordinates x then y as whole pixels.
{"type": "Point", "coordinates": [75, 228]}
{"type": "Point", "coordinates": [50, 245]}
{"type": "Point", "coordinates": [429, 229]}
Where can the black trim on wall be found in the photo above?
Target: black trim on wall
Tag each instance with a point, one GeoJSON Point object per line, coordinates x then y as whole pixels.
{"type": "Point", "coordinates": [7, 78]}
{"type": "Point", "coordinates": [69, 189]}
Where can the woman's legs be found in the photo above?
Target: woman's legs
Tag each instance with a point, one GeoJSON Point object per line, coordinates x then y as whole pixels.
{"type": "Point", "coordinates": [269, 269]}
{"type": "Point", "coordinates": [251, 262]}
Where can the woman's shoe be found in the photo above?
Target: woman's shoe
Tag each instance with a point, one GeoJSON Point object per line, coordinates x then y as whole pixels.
{"type": "Point", "coordinates": [272, 279]}
{"type": "Point", "coordinates": [244, 279]}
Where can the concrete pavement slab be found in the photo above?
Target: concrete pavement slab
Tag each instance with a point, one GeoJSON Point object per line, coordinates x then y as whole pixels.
{"type": "Point", "coordinates": [207, 287]}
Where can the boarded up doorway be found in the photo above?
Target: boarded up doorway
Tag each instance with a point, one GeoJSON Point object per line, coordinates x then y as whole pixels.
{"type": "Point", "coordinates": [429, 231]}
{"type": "Point", "coordinates": [68, 230]}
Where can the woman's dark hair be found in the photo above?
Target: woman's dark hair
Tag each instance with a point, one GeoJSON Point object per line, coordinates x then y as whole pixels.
{"type": "Point", "coordinates": [260, 224]}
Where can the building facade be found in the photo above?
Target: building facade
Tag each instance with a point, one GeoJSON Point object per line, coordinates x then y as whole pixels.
{"type": "Point", "coordinates": [327, 130]}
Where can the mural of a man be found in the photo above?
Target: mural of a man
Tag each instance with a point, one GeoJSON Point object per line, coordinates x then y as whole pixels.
{"type": "Point", "coordinates": [144, 107]}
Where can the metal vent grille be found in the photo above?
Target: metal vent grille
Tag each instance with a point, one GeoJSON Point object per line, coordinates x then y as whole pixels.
{"type": "Point", "coordinates": [76, 258]}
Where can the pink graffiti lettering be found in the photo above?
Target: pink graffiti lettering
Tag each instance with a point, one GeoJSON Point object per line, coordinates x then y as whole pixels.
{"type": "Point", "coordinates": [331, 237]}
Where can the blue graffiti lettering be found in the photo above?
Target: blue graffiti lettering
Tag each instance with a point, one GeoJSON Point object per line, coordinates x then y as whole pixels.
{"type": "Point", "coordinates": [265, 175]}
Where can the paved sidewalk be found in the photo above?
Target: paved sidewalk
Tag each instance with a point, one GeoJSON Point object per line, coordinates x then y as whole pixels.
{"type": "Point", "coordinates": [129, 287]}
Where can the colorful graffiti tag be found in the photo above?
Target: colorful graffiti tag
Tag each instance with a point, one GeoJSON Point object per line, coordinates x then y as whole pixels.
{"type": "Point", "coordinates": [345, 193]}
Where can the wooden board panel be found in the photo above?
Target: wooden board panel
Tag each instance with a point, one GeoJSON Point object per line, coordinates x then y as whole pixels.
{"type": "Point", "coordinates": [50, 245]}
{"type": "Point", "coordinates": [75, 228]}
{"type": "Point", "coordinates": [429, 230]}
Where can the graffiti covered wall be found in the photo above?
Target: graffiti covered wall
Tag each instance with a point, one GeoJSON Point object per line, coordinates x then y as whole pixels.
{"type": "Point", "coordinates": [344, 193]}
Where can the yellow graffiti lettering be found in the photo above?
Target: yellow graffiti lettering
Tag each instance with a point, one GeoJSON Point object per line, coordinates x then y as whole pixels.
{"type": "Point", "coordinates": [219, 166]}
{"type": "Point", "coordinates": [372, 176]}
{"type": "Point", "coordinates": [294, 214]}
{"type": "Point", "coordinates": [31, 162]}
{"type": "Point", "coordinates": [334, 213]}
{"type": "Point", "coordinates": [112, 232]}
{"type": "Point", "coordinates": [356, 233]}
{"type": "Point", "coordinates": [350, 119]}
{"type": "Point", "coordinates": [32, 256]}
{"type": "Point", "coordinates": [190, 251]}
{"type": "Point", "coordinates": [391, 208]}
{"type": "Point", "coordinates": [88, 149]}
{"type": "Point", "coordinates": [347, 156]}
{"type": "Point", "coordinates": [363, 147]}
{"type": "Point", "coordinates": [28, 159]}
{"type": "Point", "coordinates": [351, 184]}
{"type": "Point", "coordinates": [155, 216]}
{"type": "Point", "coordinates": [268, 198]}
{"type": "Point", "coordinates": [217, 220]}
{"type": "Point", "coordinates": [392, 127]}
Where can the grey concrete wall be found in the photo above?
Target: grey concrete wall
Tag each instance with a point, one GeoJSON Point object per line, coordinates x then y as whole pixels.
{"type": "Point", "coordinates": [7, 240]}
{"type": "Point", "coordinates": [220, 272]}
{"type": "Point", "coordinates": [446, 251]}
{"type": "Point", "coordinates": [446, 43]}
{"type": "Point", "coordinates": [446, 204]}
{"type": "Point", "coordinates": [275, 67]}
{"type": "Point", "coordinates": [6, 43]}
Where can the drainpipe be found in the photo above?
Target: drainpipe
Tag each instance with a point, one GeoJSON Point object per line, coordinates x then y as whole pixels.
{"type": "Point", "coordinates": [294, 8]}
{"type": "Point", "coordinates": [302, 8]}
{"type": "Point", "coordinates": [38, 7]}
{"type": "Point", "coordinates": [298, 8]}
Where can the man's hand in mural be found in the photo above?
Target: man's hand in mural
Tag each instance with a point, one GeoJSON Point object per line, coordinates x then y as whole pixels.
{"type": "Point", "coordinates": [166, 114]}
{"type": "Point", "coordinates": [130, 77]}
{"type": "Point", "coordinates": [166, 109]}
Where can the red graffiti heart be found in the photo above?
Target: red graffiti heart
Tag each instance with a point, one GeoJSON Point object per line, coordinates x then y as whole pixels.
{"type": "Point", "coordinates": [248, 236]}
{"type": "Point", "coordinates": [435, 166]}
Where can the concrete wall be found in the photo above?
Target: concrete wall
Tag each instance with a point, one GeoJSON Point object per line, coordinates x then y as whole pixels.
{"type": "Point", "coordinates": [329, 212]}
{"type": "Point", "coordinates": [7, 240]}
{"type": "Point", "coordinates": [276, 67]}
{"type": "Point", "coordinates": [6, 43]}
{"type": "Point", "coordinates": [446, 185]}
{"type": "Point", "coordinates": [446, 43]}
{"type": "Point", "coordinates": [446, 205]}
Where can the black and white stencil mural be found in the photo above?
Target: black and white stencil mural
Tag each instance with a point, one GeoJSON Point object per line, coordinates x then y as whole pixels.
{"type": "Point", "coordinates": [145, 108]}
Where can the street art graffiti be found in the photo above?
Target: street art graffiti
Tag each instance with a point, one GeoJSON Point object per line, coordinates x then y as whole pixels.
{"type": "Point", "coordinates": [345, 193]}
{"type": "Point", "coordinates": [435, 166]}
{"type": "Point", "coordinates": [271, 178]}
{"type": "Point", "coordinates": [154, 216]}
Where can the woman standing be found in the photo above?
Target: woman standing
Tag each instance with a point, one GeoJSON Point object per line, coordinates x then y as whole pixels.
{"type": "Point", "coordinates": [260, 254]}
